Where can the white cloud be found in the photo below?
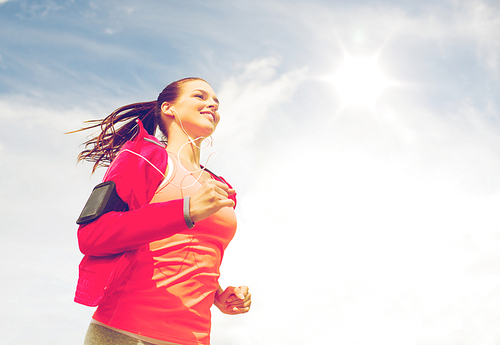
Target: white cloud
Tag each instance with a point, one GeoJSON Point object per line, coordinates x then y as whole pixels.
{"type": "Point", "coordinates": [480, 22]}
{"type": "Point", "coordinates": [343, 239]}
{"type": "Point", "coordinates": [39, 8]}
{"type": "Point", "coordinates": [42, 194]}
{"type": "Point", "coordinates": [29, 113]}
{"type": "Point", "coordinates": [249, 99]}
{"type": "Point", "coordinates": [364, 30]}
{"type": "Point", "coordinates": [341, 236]}
{"type": "Point", "coordinates": [384, 221]}
{"type": "Point", "coordinates": [251, 96]}
{"type": "Point", "coordinates": [456, 23]}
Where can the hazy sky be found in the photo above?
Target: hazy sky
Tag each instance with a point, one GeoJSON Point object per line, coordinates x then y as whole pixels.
{"type": "Point", "coordinates": [363, 138]}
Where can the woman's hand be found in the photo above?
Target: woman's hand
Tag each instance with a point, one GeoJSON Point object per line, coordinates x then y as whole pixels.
{"type": "Point", "coordinates": [210, 198]}
{"type": "Point", "coordinates": [233, 300]}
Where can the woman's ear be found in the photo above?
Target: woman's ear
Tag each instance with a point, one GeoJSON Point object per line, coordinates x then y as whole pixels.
{"type": "Point", "coordinates": [166, 108]}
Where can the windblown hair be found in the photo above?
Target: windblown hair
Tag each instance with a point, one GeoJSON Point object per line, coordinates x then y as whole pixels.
{"type": "Point", "coordinates": [121, 126]}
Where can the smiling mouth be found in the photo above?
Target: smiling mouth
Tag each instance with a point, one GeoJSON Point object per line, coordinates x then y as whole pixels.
{"type": "Point", "coordinates": [212, 115]}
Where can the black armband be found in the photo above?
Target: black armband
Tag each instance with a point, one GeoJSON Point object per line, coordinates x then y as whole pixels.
{"type": "Point", "coordinates": [102, 200]}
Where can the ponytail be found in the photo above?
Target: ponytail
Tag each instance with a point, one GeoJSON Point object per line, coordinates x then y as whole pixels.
{"type": "Point", "coordinates": [116, 129]}
{"type": "Point", "coordinates": [120, 126]}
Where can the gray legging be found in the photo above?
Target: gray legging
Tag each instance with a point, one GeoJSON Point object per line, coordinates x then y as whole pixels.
{"type": "Point", "coordinates": [99, 335]}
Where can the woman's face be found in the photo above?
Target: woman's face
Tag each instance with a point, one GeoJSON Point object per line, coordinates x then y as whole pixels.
{"type": "Point", "coordinates": [197, 109]}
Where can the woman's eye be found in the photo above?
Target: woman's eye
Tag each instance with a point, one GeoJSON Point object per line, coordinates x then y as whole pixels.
{"type": "Point", "coordinates": [199, 96]}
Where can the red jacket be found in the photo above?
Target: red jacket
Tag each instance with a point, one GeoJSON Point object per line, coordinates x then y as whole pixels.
{"type": "Point", "coordinates": [111, 241]}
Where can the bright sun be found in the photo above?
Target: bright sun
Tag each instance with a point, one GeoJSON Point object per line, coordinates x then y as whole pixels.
{"type": "Point", "coordinates": [359, 81]}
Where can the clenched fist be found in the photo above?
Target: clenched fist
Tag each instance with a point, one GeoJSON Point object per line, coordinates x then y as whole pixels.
{"type": "Point", "coordinates": [211, 197]}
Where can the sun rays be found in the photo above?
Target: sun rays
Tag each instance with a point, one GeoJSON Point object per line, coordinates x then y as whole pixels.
{"type": "Point", "coordinates": [359, 81]}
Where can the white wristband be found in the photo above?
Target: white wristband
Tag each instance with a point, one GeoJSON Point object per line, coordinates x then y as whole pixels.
{"type": "Point", "coordinates": [187, 215]}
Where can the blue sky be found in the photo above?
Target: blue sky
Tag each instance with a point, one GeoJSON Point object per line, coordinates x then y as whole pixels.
{"type": "Point", "coordinates": [362, 219]}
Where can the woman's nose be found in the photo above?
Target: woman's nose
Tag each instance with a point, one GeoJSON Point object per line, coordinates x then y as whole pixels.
{"type": "Point", "coordinates": [213, 105]}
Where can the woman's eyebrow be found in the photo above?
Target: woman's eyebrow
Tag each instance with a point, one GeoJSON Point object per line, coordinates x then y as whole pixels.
{"type": "Point", "coordinates": [200, 90]}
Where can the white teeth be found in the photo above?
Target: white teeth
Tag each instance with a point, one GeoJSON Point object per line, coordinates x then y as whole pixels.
{"type": "Point", "coordinates": [211, 115]}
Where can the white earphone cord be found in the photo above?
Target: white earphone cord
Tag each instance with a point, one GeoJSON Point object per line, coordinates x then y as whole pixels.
{"type": "Point", "coordinates": [192, 141]}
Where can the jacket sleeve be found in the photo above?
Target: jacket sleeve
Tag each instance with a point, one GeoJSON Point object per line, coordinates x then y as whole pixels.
{"type": "Point", "coordinates": [136, 182]}
{"type": "Point", "coordinates": [117, 232]}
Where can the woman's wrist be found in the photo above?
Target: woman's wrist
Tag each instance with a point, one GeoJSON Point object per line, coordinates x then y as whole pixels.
{"type": "Point", "coordinates": [216, 297]}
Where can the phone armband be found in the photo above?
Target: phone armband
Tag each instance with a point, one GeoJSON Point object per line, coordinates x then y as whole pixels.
{"type": "Point", "coordinates": [102, 200]}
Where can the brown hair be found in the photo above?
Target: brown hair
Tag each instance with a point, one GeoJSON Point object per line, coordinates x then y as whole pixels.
{"type": "Point", "coordinates": [120, 126]}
